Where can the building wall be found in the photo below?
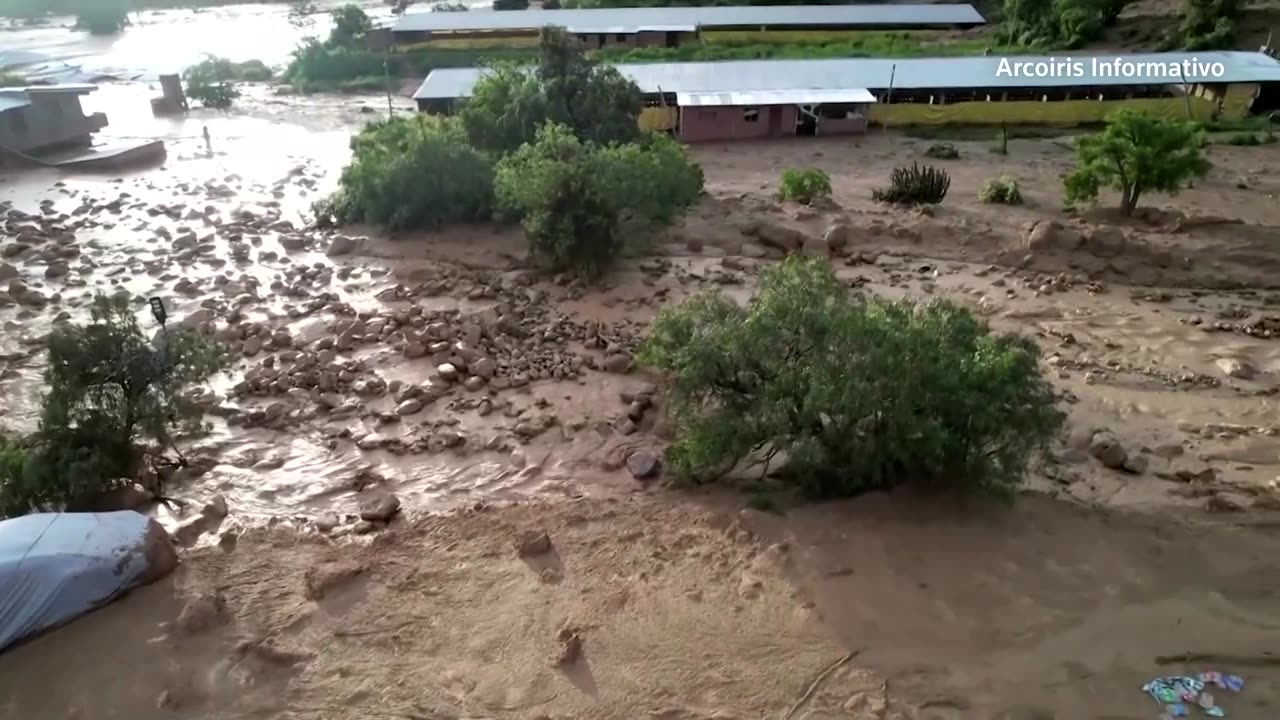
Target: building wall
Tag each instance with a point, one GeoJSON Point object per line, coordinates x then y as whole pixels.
{"type": "Point", "coordinates": [842, 126]}
{"type": "Point", "coordinates": [700, 124]}
{"type": "Point", "coordinates": [51, 120]}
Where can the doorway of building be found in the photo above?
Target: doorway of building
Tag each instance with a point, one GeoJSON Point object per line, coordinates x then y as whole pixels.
{"type": "Point", "coordinates": [775, 121]}
{"type": "Point", "coordinates": [806, 123]}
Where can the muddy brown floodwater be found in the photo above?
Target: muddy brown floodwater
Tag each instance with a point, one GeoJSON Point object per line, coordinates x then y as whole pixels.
{"type": "Point", "coordinates": [498, 403]}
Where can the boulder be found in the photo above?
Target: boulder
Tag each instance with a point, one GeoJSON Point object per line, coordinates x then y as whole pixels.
{"type": "Point", "coordinates": [340, 245]}
{"type": "Point", "coordinates": [1239, 369]}
{"type": "Point", "coordinates": [531, 543]}
{"type": "Point", "coordinates": [1105, 241]}
{"type": "Point", "coordinates": [777, 236]}
{"type": "Point", "coordinates": [837, 238]}
{"type": "Point", "coordinates": [379, 505]}
{"type": "Point", "coordinates": [617, 363]}
{"type": "Point", "coordinates": [643, 464]}
{"type": "Point", "coordinates": [1050, 236]}
{"type": "Point", "coordinates": [1107, 448]}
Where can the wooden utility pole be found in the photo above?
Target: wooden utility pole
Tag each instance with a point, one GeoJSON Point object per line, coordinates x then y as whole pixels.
{"type": "Point", "coordinates": [888, 97]}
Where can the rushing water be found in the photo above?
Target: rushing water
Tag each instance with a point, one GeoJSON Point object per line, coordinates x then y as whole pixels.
{"type": "Point", "coordinates": [163, 41]}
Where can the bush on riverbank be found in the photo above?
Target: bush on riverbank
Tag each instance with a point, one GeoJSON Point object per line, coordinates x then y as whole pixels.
{"type": "Point", "coordinates": [856, 392]}
{"type": "Point", "coordinates": [411, 172]}
{"type": "Point", "coordinates": [102, 17]}
{"type": "Point", "coordinates": [109, 390]}
{"type": "Point", "coordinates": [581, 183]}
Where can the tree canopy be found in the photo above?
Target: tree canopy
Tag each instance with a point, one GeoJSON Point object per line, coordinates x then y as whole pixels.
{"type": "Point", "coordinates": [510, 103]}
{"type": "Point", "coordinates": [1137, 154]}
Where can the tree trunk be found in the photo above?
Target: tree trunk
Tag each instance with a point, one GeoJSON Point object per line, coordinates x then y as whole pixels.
{"type": "Point", "coordinates": [1129, 200]}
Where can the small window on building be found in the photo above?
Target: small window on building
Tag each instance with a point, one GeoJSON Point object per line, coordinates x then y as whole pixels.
{"type": "Point", "coordinates": [18, 123]}
{"type": "Point", "coordinates": [620, 37]}
{"type": "Point", "coordinates": [751, 115]}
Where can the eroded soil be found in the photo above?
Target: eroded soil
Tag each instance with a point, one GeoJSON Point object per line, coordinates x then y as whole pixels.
{"type": "Point", "coordinates": [1158, 331]}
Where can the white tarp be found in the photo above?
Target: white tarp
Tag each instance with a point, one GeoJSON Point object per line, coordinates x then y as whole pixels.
{"type": "Point", "coordinates": [55, 567]}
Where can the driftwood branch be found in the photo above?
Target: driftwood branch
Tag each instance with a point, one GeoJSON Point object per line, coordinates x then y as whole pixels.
{"type": "Point", "coordinates": [1265, 659]}
{"type": "Point", "coordinates": [813, 686]}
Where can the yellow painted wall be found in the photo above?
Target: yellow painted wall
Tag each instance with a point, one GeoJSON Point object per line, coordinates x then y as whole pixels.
{"type": "Point", "coordinates": [659, 118]}
{"type": "Point", "coordinates": [1238, 100]}
{"type": "Point", "coordinates": [1022, 112]}
{"type": "Point", "coordinates": [474, 43]}
{"type": "Point", "coordinates": [782, 37]}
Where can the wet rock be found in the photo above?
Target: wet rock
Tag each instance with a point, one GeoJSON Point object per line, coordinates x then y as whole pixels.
{"type": "Point", "coordinates": [1220, 503]}
{"type": "Point", "coordinates": [1136, 464]}
{"type": "Point", "coordinates": [327, 522]}
{"type": "Point", "coordinates": [319, 581]}
{"type": "Point", "coordinates": [532, 543]}
{"type": "Point", "coordinates": [252, 346]}
{"type": "Point", "coordinates": [1105, 241]}
{"type": "Point", "coordinates": [1167, 451]}
{"type": "Point", "coordinates": [379, 505]}
{"type": "Point", "coordinates": [409, 407]}
{"type": "Point", "coordinates": [1239, 369]}
{"type": "Point", "coordinates": [1049, 236]}
{"type": "Point", "coordinates": [216, 508]}
{"type": "Point", "coordinates": [570, 647]}
{"type": "Point", "coordinates": [364, 527]}
{"type": "Point", "coordinates": [776, 236]}
{"type": "Point", "coordinates": [617, 363]}
{"type": "Point", "coordinates": [643, 464]}
{"type": "Point", "coordinates": [292, 242]}
{"type": "Point", "coordinates": [201, 614]}
{"type": "Point", "coordinates": [13, 249]}
{"type": "Point", "coordinates": [8, 272]}
{"type": "Point", "coordinates": [837, 238]}
{"type": "Point", "coordinates": [372, 441]}
{"type": "Point", "coordinates": [57, 269]}
{"type": "Point", "coordinates": [447, 372]}
{"type": "Point", "coordinates": [1107, 448]}
{"type": "Point", "coordinates": [340, 245]}
{"type": "Point", "coordinates": [473, 383]}
{"type": "Point", "coordinates": [485, 368]}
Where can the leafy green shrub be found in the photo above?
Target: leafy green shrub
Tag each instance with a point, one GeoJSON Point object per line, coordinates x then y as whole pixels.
{"type": "Point", "coordinates": [109, 389]}
{"type": "Point", "coordinates": [570, 217]}
{"type": "Point", "coordinates": [510, 4]}
{"type": "Point", "coordinates": [510, 104]}
{"type": "Point", "coordinates": [211, 82]}
{"type": "Point", "coordinates": [917, 185]}
{"type": "Point", "coordinates": [805, 186]}
{"type": "Point", "coordinates": [1136, 154]}
{"type": "Point", "coordinates": [651, 180]}
{"type": "Point", "coordinates": [1002, 191]}
{"type": "Point", "coordinates": [8, 79]}
{"type": "Point", "coordinates": [411, 172]}
{"type": "Point", "coordinates": [350, 26]}
{"type": "Point", "coordinates": [856, 392]}
{"type": "Point", "coordinates": [942, 151]}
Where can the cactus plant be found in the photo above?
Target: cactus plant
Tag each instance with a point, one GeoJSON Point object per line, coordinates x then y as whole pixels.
{"type": "Point", "coordinates": [915, 185]}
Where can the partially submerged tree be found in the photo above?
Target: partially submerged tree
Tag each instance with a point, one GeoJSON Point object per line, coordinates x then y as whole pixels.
{"type": "Point", "coordinates": [510, 103]}
{"type": "Point", "coordinates": [211, 82]}
{"type": "Point", "coordinates": [350, 26]}
{"type": "Point", "coordinates": [411, 171]}
{"type": "Point", "coordinates": [110, 393]}
{"type": "Point", "coordinates": [102, 17]}
{"type": "Point", "coordinates": [855, 392]}
{"type": "Point", "coordinates": [1137, 154]}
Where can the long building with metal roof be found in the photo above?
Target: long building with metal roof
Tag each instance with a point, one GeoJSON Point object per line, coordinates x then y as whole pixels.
{"type": "Point", "coordinates": [908, 74]}
{"type": "Point", "coordinates": [764, 98]}
{"type": "Point", "coordinates": [634, 20]}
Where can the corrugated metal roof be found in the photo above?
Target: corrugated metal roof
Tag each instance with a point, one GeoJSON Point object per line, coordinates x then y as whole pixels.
{"type": "Point", "coordinates": [963, 72]}
{"type": "Point", "coordinates": [77, 88]}
{"type": "Point", "coordinates": [775, 97]}
{"type": "Point", "coordinates": [632, 19]}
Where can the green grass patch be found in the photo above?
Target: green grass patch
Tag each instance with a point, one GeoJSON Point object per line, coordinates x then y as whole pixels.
{"type": "Point", "coordinates": [12, 80]}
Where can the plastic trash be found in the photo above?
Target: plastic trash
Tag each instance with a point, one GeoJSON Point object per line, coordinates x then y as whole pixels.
{"type": "Point", "coordinates": [1179, 694]}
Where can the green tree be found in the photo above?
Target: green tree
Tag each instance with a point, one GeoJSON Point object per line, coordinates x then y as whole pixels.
{"type": "Point", "coordinates": [211, 82]}
{"type": "Point", "coordinates": [511, 103]}
{"type": "Point", "coordinates": [855, 391]}
{"type": "Point", "coordinates": [102, 17]}
{"type": "Point", "coordinates": [410, 172]}
{"type": "Point", "coordinates": [1209, 24]}
{"type": "Point", "coordinates": [510, 4]}
{"type": "Point", "coordinates": [110, 391]}
{"type": "Point", "coordinates": [570, 218]}
{"type": "Point", "coordinates": [1137, 154]}
{"type": "Point", "coordinates": [1057, 23]}
{"type": "Point", "coordinates": [350, 25]}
